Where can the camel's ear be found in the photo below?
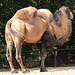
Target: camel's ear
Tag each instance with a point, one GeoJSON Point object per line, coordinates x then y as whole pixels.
{"type": "Point", "coordinates": [57, 16]}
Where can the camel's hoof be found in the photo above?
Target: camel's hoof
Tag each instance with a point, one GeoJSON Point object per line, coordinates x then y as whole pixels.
{"type": "Point", "coordinates": [26, 71]}
{"type": "Point", "coordinates": [14, 71]}
{"type": "Point", "coordinates": [43, 70]}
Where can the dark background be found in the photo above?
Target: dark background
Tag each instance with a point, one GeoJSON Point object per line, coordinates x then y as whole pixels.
{"type": "Point", "coordinates": [30, 52]}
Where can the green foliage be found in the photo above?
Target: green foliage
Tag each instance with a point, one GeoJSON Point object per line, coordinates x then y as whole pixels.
{"type": "Point", "coordinates": [8, 9]}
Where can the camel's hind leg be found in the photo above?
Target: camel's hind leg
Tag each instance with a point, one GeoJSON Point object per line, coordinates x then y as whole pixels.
{"type": "Point", "coordinates": [9, 43]}
{"type": "Point", "coordinates": [18, 45]}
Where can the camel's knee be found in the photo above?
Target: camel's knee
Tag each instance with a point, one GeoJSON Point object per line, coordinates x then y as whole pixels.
{"type": "Point", "coordinates": [18, 58]}
{"type": "Point", "coordinates": [9, 58]}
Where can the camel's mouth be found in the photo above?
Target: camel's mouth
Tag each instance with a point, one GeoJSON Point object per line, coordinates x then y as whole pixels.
{"type": "Point", "coordinates": [71, 15]}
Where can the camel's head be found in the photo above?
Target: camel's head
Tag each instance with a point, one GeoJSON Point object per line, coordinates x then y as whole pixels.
{"type": "Point", "coordinates": [67, 13]}
{"type": "Point", "coordinates": [63, 12]}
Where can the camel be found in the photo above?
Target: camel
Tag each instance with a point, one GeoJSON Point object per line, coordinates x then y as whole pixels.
{"type": "Point", "coordinates": [35, 28]}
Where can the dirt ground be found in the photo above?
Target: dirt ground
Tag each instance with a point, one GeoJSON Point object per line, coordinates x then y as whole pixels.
{"type": "Point", "coordinates": [36, 71]}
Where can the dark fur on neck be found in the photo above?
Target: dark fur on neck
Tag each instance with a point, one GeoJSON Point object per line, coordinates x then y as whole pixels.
{"type": "Point", "coordinates": [47, 40]}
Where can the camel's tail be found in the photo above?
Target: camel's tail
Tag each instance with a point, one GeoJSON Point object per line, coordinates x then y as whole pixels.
{"type": "Point", "coordinates": [16, 33]}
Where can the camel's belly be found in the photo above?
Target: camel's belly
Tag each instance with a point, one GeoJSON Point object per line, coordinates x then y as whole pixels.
{"type": "Point", "coordinates": [33, 37]}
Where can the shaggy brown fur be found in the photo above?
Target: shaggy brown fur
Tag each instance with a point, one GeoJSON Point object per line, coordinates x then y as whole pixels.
{"type": "Point", "coordinates": [62, 18]}
{"type": "Point", "coordinates": [67, 14]}
{"type": "Point", "coordinates": [57, 17]}
{"type": "Point", "coordinates": [65, 38]}
{"type": "Point", "coordinates": [48, 40]}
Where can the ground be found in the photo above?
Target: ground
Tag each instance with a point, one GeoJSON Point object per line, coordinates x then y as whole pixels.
{"type": "Point", "coordinates": [36, 71]}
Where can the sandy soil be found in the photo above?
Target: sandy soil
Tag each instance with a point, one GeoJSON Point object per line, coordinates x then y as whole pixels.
{"type": "Point", "coordinates": [36, 71]}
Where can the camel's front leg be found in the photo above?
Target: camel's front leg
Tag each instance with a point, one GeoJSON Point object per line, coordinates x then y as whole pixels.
{"type": "Point", "coordinates": [43, 54]}
{"type": "Point", "coordinates": [19, 58]}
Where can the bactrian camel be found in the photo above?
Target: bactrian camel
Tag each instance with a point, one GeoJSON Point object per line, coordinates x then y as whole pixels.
{"type": "Point", "coordinates": [29, 25]}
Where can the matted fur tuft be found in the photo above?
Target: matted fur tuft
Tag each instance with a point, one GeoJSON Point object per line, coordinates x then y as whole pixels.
{"type": "Point", "coordinates": [57, 16]}
{"type": "Point", "coordinates": [48, 40]}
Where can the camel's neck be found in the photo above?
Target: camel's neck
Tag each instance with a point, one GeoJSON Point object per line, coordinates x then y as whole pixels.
{"type": "Point", "coordinates": [60, 31]}
{"type": "Point", "coordinates": [67, 35]}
